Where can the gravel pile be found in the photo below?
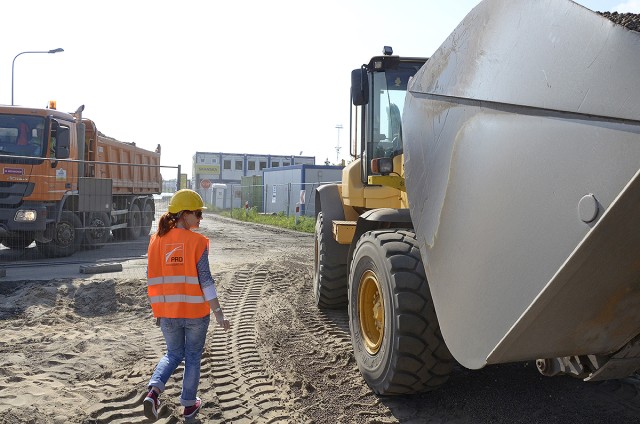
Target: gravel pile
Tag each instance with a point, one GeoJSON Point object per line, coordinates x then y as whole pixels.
{"type": "Point", "coordinates": [629, 20]}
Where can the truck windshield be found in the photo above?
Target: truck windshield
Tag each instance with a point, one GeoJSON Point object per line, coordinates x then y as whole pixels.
{"type": "Point", "coordinates": [390, 89]}
{"type": "Point", "coordinates": [21, 135]}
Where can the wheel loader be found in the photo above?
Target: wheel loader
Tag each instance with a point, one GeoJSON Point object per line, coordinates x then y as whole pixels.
{"type": "Point", "coordinates": [488, 214]}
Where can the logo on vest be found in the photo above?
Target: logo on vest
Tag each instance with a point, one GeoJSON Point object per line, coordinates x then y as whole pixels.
{"type": "Point", "coordinates": [174, 254]}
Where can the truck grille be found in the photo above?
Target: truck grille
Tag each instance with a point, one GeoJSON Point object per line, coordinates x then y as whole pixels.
{"type": "Point", "coordinates": [12, 193]}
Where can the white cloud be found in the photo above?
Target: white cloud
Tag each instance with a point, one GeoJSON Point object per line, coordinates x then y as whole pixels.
{"type": "Point", "coordinates": [630, 6]}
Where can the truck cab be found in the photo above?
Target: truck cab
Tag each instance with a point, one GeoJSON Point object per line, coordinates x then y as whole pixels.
{"type": "Point", "coordinates": [65, 185]}
{"type": "Point", "coordinates": [32, 141]}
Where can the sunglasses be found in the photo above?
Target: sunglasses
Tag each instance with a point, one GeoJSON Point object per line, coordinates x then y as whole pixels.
{"type": "Point", "coordinates": [197, 213]}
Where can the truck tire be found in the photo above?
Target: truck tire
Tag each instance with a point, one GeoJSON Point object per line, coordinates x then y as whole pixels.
{"type": "Point", "coordinates": [67, 237]}
{"type": "Point", "coordinates": [135, 223]}
{"type": "Point", "coordinates": [97, 232]}
{"type": "Point", "coordinates": [330, 269]}
{"type": "Point", "coordinates": [19, 242]}
{"type": "Point", "coordinates": [147, 219]}
{"type": "Point", "coordinates": [395, 333]}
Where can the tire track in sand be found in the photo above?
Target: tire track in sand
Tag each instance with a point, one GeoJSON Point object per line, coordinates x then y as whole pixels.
{"type": "Point", "coordinates": [127, 406]}
{"type": "Point", "coordinates": [234, 384]}
{"type": "Point", "coordinates": [319, 359]}
{"type": "Point", "coordinates": [245, 391]}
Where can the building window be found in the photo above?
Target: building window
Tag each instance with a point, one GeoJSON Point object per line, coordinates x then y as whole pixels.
{"type": "Point", "coordinates": [201, 160]}
{"type": "Point", "coordinates": [251, 166]}
{"type": "Point", "coordinates": [285, 163]}
{"type": "Point", "coordinates": [238, 165]}
{"type": "Point", "coordinates": [227, 164]}
{"type": "Point", "coordinates": [275, 164]}
{"type": "Point", "coordinates": [263, 165]}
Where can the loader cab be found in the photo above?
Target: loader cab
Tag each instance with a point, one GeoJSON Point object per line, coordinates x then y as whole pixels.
{"type": "Point", "coordinates": [378, 90]}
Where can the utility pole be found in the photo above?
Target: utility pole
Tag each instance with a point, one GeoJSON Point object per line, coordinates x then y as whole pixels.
{"type": "Point", "coordinates": [338, 127]}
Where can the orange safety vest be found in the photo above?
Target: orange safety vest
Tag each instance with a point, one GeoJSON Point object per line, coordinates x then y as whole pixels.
{"type": "Point", "coordinates": [172, 280]}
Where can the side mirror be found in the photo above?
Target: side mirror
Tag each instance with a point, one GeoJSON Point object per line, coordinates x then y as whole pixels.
{"type": "Point", "coordinates": [359, 87]}
{"type": "Point", "coordinates": [62, 142]}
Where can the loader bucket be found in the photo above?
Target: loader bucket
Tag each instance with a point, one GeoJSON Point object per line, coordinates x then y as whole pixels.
{"type": "Point", "coordinates": [522, 151]}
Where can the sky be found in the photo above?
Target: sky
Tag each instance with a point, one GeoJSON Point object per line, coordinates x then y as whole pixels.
{"type": "Point", "coordinates": [243, 76]}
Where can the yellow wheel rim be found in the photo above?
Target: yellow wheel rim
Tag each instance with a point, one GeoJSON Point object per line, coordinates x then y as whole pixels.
{"type": "Point", "coordinates": [371, 312]}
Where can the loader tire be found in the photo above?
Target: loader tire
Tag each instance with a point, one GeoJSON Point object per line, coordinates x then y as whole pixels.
{"type": "Point", "coordinates": [66, 237]}
{"type": "Point", "coordinates": [395, 333]}
{"type": "Point", "coordinates": [330, 269]}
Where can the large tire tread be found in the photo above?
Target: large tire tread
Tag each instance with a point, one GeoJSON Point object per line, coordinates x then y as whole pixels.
{"type": "Point", "coordinates": [419, 359]}
{"type": "Point", "coordinates": [330, 277]}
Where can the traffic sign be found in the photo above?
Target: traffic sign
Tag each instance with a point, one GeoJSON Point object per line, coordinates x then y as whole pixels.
{"type": "Point", "coordinates": [205, 184]}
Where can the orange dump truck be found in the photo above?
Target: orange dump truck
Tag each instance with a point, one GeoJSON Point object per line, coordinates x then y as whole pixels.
{"type": "Point", "coordinates": [64, 185]}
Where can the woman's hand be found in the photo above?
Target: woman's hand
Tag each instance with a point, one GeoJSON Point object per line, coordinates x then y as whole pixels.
{"type": "Point", "coordinates": [222, 321]}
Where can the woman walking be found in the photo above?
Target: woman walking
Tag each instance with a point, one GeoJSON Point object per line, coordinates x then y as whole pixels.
{"type": "Point", "coordinates": [182, 293]}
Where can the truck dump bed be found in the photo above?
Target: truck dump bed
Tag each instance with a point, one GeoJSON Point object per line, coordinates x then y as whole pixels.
{"type": "Point", "coordinates": [132, 169]}
{"type": "Point", "coordinates": [522, 151]}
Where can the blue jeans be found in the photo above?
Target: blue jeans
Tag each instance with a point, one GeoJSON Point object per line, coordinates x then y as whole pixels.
{"type": "Point", "coordinates": [185, 341]}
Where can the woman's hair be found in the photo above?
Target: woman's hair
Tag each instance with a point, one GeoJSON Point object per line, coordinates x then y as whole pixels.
{"type": "Point", "coordinates": [167, 221]}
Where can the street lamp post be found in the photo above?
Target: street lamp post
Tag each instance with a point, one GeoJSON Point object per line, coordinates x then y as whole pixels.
{"type": "Point", "coordinates": [58, 50]}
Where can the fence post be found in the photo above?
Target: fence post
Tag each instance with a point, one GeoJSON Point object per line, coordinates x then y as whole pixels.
{"type": "Point", "coordinates": [288, 198]}
{"type": "Point", "coordinates": [177, 179]}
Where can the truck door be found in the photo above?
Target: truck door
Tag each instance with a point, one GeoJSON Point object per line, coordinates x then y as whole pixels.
{"type": "Point", "coordinates": [61, 145]}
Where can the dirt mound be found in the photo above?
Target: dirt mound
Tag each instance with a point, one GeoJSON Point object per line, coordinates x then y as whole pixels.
{"type": "Point", "coordinates": [628, 20]}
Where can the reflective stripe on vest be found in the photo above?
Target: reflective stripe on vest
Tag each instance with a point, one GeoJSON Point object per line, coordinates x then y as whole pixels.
{"type": "Point", "coordinates": [176, 298]}
{"type": "Point", "coordinates": [172, 284]}
{"type": "Point", "coordinates": [172, 279]}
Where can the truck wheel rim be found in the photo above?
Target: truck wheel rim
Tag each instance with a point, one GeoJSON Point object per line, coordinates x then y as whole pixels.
{"type": "Point", "coordinates": [371, 312]}
{"type": "Point", "coordinates": [98, 227]}
{"type": "Point", "coordinates": [64, 234]}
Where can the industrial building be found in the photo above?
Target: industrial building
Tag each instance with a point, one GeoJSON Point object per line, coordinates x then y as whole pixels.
{"type": "Point", "coordinates": [291, 189]}
{"type": "Point", "coordinates": [218, 176]}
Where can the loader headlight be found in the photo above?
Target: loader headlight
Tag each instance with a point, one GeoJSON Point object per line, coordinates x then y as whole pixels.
{"type": "Point", "coordinates": [382, 166]}
{"type": "Point", "coordinates": [26, 216]}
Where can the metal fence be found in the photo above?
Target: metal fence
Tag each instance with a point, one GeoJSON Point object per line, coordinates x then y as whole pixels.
{"type": "Point", "coordinates": [286, 199]}
{"type": "Point", "coordinates": [50, 217]}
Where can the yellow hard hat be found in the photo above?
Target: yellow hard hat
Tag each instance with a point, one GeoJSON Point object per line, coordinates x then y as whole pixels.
{"type": "Point", "coordinates": [185, 200]}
